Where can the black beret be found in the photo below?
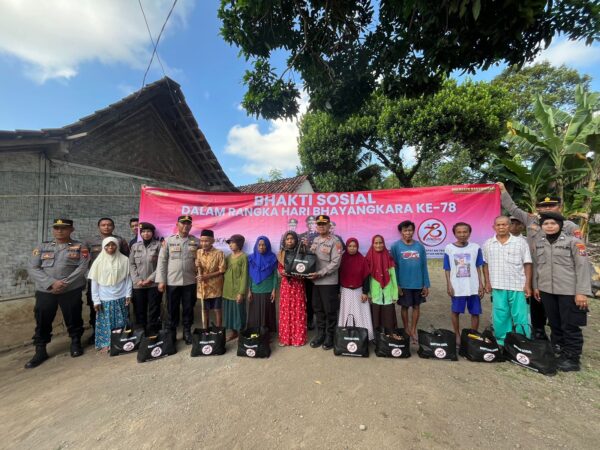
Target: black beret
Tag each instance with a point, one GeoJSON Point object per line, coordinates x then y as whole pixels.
{"type": "Point", "coordinates": [208, 233]}
{"type": "Point", "coordinates": [147, 226]}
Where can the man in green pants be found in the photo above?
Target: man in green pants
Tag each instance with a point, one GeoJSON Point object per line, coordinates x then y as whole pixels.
{"type": "Point", "coordinates": [508, 272]}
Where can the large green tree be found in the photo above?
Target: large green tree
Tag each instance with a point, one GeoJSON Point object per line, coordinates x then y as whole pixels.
{"type": "Point", "coordinates": [344, 50]}
{"type": "Point", "coordinates": [409, 137]}
{"type": "Point", "coordinates": [556, 85]}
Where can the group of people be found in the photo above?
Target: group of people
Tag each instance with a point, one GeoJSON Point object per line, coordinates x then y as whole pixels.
{"type": "Point", "coordinates": [544, 274]}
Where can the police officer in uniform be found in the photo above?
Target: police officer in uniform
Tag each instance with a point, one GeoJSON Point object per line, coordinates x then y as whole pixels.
{"type": "Point", "coordinates": [532, 225]}
{"type": "Point", "coordinates": [562, 282]}
{"type": "Point", "coordinates": [58, 269]}
{"type": "Point", "coordinates": [176, 273]}
{"type": "Point", "coordinates": [325, 299]}
{"type": "Point", "coordinates": [106, 226]}
{"type": "Point", "coordinates": [143, 259]}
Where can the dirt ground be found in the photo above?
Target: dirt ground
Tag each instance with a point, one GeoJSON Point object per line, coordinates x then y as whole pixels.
{"type": "Point", "coordinates": [298, 398]}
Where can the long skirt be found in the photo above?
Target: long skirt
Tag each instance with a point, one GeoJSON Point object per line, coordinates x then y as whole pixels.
{"type": "Point", "coordinates": [234, 314]}
{"type": "Point", "coordinates": [292, 312]}
{"type": "Point", "coordinates": [114, 314]}
{"type": "Point", "coordinates": [351, 304]}
{"type": "Point", "coordinates": [261, 312]}
{"type": "Point", "coordinates": [384, 316]}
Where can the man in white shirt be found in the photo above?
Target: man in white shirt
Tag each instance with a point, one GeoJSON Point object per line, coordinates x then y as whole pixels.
{"type": "Point", "coordinates": [508, 277]}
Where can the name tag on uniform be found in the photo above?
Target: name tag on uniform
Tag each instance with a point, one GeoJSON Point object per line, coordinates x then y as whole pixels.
{"type": "Point", "coordinates": [73, 255]}
{"type": "Point", "coordinates": [326, 249]}
{"type": "Point", "coordinates": [47, 255]}
{"type": "Point", "coordinates": [175, 247]}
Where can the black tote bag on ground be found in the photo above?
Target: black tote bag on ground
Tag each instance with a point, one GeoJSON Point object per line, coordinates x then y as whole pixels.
{"type": "Point", "coordinates": [207, 342]}
{"type": "Point", "coordinates": [534, 354]}
{"type": "Point", "coordinates": [157, 346]}
{"type": "Point", "coordinates": [437, 344]}
{"type": "Point", "coordinates": [351, 340]}
{"type": "Point", "coordinates": [303, 263]}
{"type": "Point", "coordinates": [392, 343]}
{"type": "Point", "coordinates": [125, 340]}
{"type": "Point", "coordinates": [479, 347]}
{"type": "Point", "coordinates": [254, 343]}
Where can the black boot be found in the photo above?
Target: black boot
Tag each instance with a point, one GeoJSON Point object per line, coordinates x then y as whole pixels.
{"type": "Point", "coordinates": [318, 339]}
{"type": "Point", "coordinates": [187, 336]}
{"type": "Point", "coordinates": [39, 357]}
{"type": "Point", "coordinates": [568, 364]}
{"type": "Point", "coordinates": [92, 339]}
{"type": "Point", "coordinates": [310, 324]}
{"type": "Point", "coordinates": [328, 344]}
{"type": "Point", "coordinates": [76, 348]}
{"type": "Point", "coordinates": [557, 350]}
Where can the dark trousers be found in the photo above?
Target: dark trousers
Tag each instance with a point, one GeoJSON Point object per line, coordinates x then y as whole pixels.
{"type": "Point", "coordinates": [326, 305]}
{"type": "Point", "coordinates": [538, 314]}
{"type": "Point", "coordinates": [47, 304]}
{"type": "Point", "coordinates": [186, 296]}
{"type": "Point", "coordinates": [565, 319]}
{"type": "Point", "coordinates": [90, 303]}
{"type": "Point", "coordinates": [146, 302]}
{"type": "Point", "coordinates": [308, 285]}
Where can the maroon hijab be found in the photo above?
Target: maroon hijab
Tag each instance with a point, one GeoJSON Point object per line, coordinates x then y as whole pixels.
{"type": "Point", "coordinates": [353, 268]}
{"type": "Point", "coordinates": [380, 263]}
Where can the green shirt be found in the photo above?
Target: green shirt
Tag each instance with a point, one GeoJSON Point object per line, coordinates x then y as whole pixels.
{"type": "Point", "coordinates": [386, 295]}
{"type": "Point", "coordinates": [236, 276]}
{"type": "Point", "coordinates": [267, 285]}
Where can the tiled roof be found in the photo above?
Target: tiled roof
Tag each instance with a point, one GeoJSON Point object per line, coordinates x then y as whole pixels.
{"type": "Point", "coordinates": [285, 185]}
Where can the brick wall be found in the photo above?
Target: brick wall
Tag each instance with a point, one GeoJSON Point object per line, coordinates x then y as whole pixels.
{"type": "Point", "coordinates": [34, 191]}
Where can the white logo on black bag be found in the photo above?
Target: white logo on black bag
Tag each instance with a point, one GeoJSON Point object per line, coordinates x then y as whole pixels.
{"type": "Point", "coordinates": [128, 346]}
{"type": "Point", "coordinates": [251, 352]}
{"type": "Point", "coordinates": [300, 268]}
{"type": "Point", "coordinates": [396, 352]}
{"type": "Point", "coordinates": [440, 353]}
{"type": "Point", "coordinates": [156, 352]}
{"type": "Point", "coordinates": [207, 349]}
{"type": "Point", "coordinates": [352, 347]}
{"type": "Point", "coordinates": [523, 359]}
{"type": "Point", "coordinates": [489, 357]}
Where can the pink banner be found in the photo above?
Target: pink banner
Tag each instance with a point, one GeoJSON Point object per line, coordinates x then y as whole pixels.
{"type": "Point", "coordinates": [434, 210]}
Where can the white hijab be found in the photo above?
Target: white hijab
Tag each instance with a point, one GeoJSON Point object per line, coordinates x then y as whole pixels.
{"type": "Point", "coordinates": [109, 270]}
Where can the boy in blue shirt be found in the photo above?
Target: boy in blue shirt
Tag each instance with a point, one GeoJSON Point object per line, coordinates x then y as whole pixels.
{"type": "Point", "coordinates": [463, 265]}
{"type": "Point", "coordinates": [412, 275]}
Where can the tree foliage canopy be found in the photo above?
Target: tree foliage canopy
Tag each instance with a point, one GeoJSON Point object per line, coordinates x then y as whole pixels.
{"type": "Point", "coordinates": [346, 49]}
{"type": "Point", "coordinates": [459, 122]}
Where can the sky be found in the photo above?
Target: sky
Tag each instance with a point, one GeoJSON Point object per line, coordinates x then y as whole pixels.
{"type": "Point", "coordinates": [61, 60]}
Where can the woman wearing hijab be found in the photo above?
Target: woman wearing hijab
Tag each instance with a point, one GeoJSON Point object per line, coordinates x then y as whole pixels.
{"type": "Point", "coordinates": [354, 282]}
{"type": "Point", "coordinates": [143, 258]}
{"type": "Point", "coordinates": [292, 308]}
{"type": "Point", "coordinates": [262, 266]}
{"type": "Point", "coordinates": [383, 286]}
{"type": "Point", "coordinates": [562, 282]}
{"type": "Point", "coordinates": [111, 291]}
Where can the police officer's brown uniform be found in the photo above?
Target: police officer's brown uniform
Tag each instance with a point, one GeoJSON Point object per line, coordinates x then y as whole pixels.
{"type": "Point", "coordinates": [561, 270]}
{"type": "Point", "coordinates": [95, 246]}
{"type": "Point", "coordinates": [143, 260]}
{"type": "Point", "coordinates": [325, 290]}
{"type": "Point", "coordinates": [51, 262]}
{"type": "Point", "coordinates": [532, 225]}
{"type": "Point", "coordinates": [177, 268]}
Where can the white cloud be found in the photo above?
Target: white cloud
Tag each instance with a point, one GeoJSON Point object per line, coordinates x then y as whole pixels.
{"type": "Point", "coordinates": [570, 53]}
{"type": "Point", "coordinates": [53, 38]}
{"type": "Point", "coordinates": [275, 149]}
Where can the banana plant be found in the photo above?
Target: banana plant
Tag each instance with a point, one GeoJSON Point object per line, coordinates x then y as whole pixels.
{"type": "Point", "coordinates": [570, 142]}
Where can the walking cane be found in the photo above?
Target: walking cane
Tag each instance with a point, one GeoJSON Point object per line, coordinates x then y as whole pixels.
{"type": "Point", "coordinates": [201, 292]}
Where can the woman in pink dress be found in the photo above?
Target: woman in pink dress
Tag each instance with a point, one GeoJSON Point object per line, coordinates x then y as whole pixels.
{"type": "Point", "coordinates": [292, 310]}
